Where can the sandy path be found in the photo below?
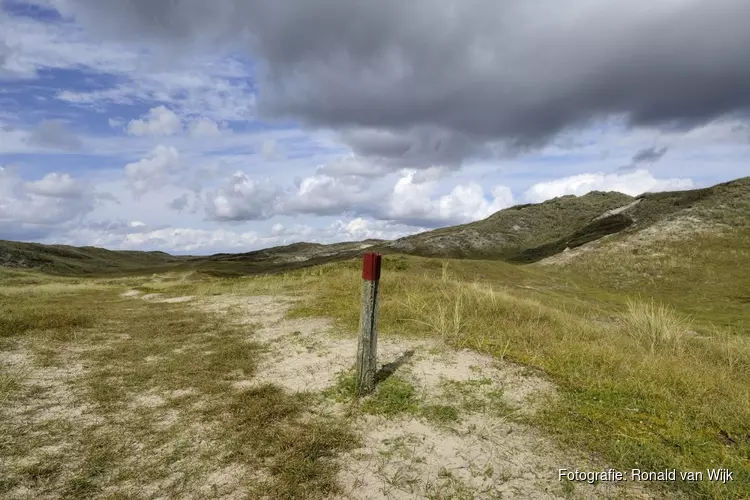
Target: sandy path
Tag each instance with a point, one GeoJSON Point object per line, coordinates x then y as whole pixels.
{"type": "Point", "coordinates": [483, 455]}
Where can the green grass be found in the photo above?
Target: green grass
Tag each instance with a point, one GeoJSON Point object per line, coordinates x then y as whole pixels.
{"type": "Point", "coordinates": [393, 397]}
{"type": "Point", "coordinates": [704, 277]}
{"type": "Point", "coordinates": [634, 384]}
{"type": "Point", "coordinates": [655, 326]}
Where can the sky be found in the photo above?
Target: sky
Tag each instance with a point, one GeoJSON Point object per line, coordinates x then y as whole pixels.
{"type": "Point", "coordinates": [197, 127]}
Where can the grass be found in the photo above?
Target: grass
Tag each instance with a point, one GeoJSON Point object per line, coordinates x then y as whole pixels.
{"type": "Point", "coordinates": [647, 340]}
{"type": "Point", "coordinates": [703, 277]}
{"type": "Point", "coordinates": [107, 397]}
{"type": "Point", "coordinates": [638, 382]}
{"type": "Point", "coordinates": [393, 397]}
{"type": "Point", "coordinates": [634, 383]}
{"type": "Point", "coordinates": [655, 326]}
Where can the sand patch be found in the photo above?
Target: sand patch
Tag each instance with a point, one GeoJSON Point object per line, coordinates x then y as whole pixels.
{"type": "Point", "coordinates": [149, 401]}
{"type": "Point", "coordinates": [521, 388]}
{"type": "Point", "coordinates": [157, 297]}
{"type": "Point", "coordinates": [263, 310]}
{"type": "Point", "coordinates": [484, 454]}
{"type": "Point", "coordinates": [56, 398]}
{"type": "Point", "coordinates": [177, 300]}
{"type": "Point", "coordinates": [480, 458]}
{"type": "Point", "coordinates": [181, 393]}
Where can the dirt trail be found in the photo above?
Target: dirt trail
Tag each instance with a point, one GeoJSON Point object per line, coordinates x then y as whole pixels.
{"type": "Point", "coordinates": [482, 451]}
{"type": "Point", "coordinates": [485, 454]}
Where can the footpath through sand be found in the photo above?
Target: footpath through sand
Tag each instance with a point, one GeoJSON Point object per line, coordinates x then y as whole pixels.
{"type": "Point", "coordinates": [485, 452]}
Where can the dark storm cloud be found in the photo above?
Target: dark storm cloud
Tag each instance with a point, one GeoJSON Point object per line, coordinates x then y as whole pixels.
{"type": "Point", "coordinates": [474, 72]}
{"type": "Point", "coordinates": [645, 155]}
{"type": "Point", "coordinates": [649, 155]}
{"type": "Point", "coordinates": [414, 148]}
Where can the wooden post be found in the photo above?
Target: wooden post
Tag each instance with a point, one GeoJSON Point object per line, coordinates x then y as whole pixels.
{"type": "Point", "coordinates": [367, 348]}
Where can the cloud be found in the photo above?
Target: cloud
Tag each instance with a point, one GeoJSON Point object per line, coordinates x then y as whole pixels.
{"type": "Point", "coordinates": [414, 203]}
{"type": "Point", "coordinates": [6, 62]}
{"type": "Point", "coordinates": [633, 184]}
{"type": "Point", "coordinates": [177, 240]}
{"type": "Point", "coordinates": [204, 127]}
{"type": "Point", "coordinates": [56, 185]}
{"type": "Point", "coordinates": [337, 189]}
{"type": "Point", "coordinates": [363, 229]}
{"type": "Point", "coordinates": [649, 155]}
{"type": "Point", "coordinates": [242, 198]}
{"type": "Point", "coordinates": [39, 207]}
{"type": "Point", "coordinates": [179, 203]}
{"type": "Point", "coordinates": [352, 165]}
{"type": "Point", "coordinates": [270, 151]}
{"type": "Point", "coordinates": [326, 194]}
{"type": "Point", "coordinates": [115, 123]}
{"type": "Point", "coordinates": [54, 134]}
{"type": "Point", "coordinates": [416, 147]}
{"type": "Point", "coordinates": [159, 121]}
{"type": "Point", "coordinates": [153, 171]}
{"type": "Point", "coordinates": [469, 72]}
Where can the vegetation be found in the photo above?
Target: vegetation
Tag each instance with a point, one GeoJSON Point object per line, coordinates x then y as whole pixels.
{"type": "Point", "coordinates": [638, 383]}
{"type": "Point", "coordinates": [523, 233]}
{"type": "Point", "coordinates": [63, 259]}
{"type": "Point", "coordinates": [528, 233]}
{"type": "Point", "coordinates": [98, 262]}
{"type": "Point", "coordinates": [508, 232]}
{"type": "Point", "coordinates": [110, 397]}
{"type": "Point", "coordinates": [644, 330]}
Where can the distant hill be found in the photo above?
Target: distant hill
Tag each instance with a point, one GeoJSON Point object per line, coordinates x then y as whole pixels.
{"type": "Point", "coordinates": [529, 233]}
{"type": "Point", "coordinates": [513, 230]}
{"type": "Point", "coordinates": [70, 260]}
{"type": "Point", "coordinates": [523, 233]}
{"type": "Point", "coordinates": [274, 259]}
{"type": "Point", "coordinates": [64, 259]}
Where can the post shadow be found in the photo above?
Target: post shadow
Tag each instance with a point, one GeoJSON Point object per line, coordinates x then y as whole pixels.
{"type": "Point", "coordinates": [389, 369]}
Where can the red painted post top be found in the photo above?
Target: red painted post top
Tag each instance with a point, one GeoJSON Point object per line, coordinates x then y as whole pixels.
{"type": "Point", "coordinates": [371, 266]}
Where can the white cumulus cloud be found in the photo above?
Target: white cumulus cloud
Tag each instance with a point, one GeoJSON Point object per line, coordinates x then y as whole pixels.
{"type": "Point", "coordinates": [204, 127]}
{"type": "Point", "coordinates": [243, 198]}
{"type": "Point", "coordinates": [362, 229]}
{"type": "Point", "coordinates": [159, 121]}
{"type": "Point", "coordinates": [56, 185]}
{"type": "Point", "coordinates": [46, 205]}
{"type": "Point", "coordinates": [322, 194]}
{"type": "Point", "coordinates": [631, 183]}
{"type": "Point", "coordinates": [415, 202]}
{"type": "Point", "coordinates": [154, 171]}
